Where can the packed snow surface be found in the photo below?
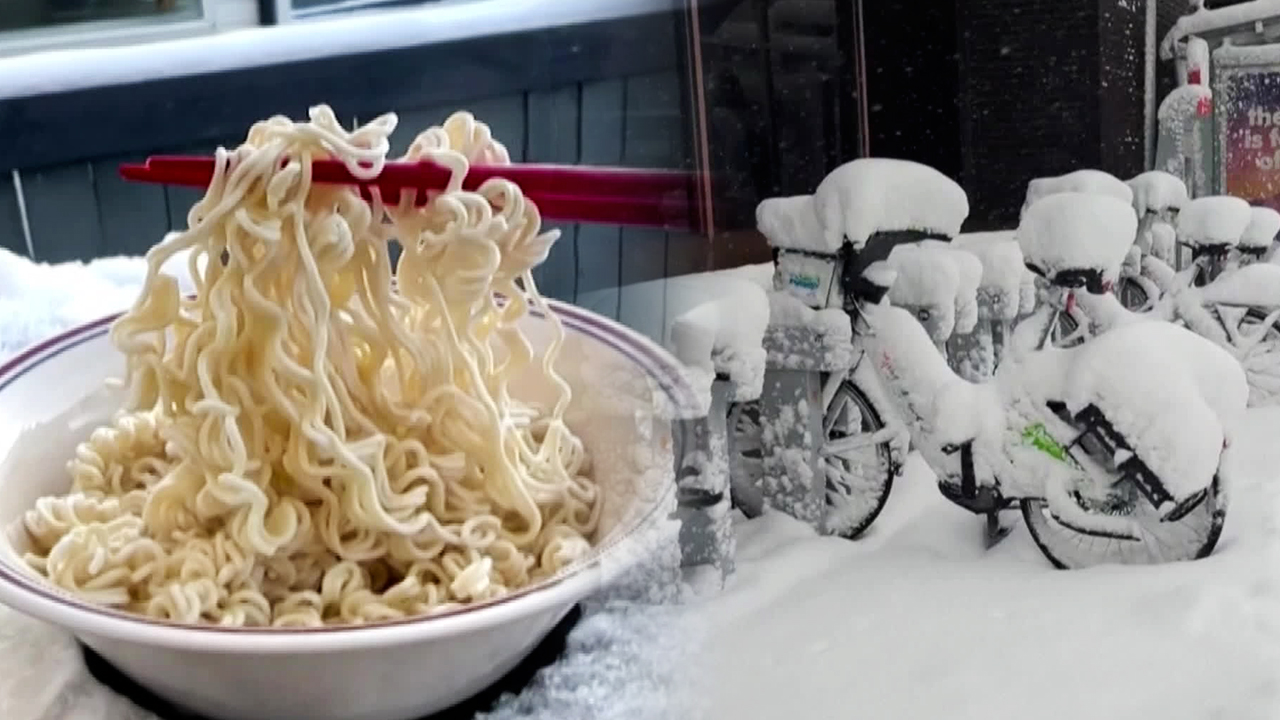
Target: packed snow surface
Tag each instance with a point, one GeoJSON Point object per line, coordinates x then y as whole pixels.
{"type": "Point", "coordinates": [917, 620]}
{"type": "Point", "coordinates": [791, 223]}
{"type": "Point", "coordinates": [1264, 225]}
{"type": "Point", "coordinates": [1078, 231]}
{"type": "Point", "coordinates": [1215, 220]}
{"type": "Point", "coordinates": [103, 286]}
{"type": "Point", "coordinates": [870, 195]}
{"type": "Point", "coordinates": [1156, 191]}
{"type": "Point", "coordinates": [1091, 182]}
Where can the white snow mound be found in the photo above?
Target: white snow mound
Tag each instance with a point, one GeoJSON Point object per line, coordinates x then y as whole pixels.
{"type": "Point", "coordinates": [1089, 182]}
{"type": "Point", "coordinates": [791, 223]}
{"type": "Point", "coordinates": [870, 195]}
{"type": "Point", "coordinates": [1214, 220]}
{"type": "Point", "coordinates": [927, 279]}
{"type": "Point", "coordinates": [1175, 396]}
{"type": "Point", "coordinates": [1003, 271]}
{"type": "Point", "coordinates": [1156, 191]}
{"type": "Point", "coordinates": [1078, 231]}
{"type": "Point", "coordinates": [969, 272]}
{"type": "Point", "coordinates": [719, 327]}
{"type": "Point", "coordinates": [1256, 285]}
{"type": "Point", "coordinates": [1264, 225]}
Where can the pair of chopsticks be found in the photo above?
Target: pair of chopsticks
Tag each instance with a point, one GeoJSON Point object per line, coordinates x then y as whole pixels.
{"type": "Point", "coordinates": [611, 196]}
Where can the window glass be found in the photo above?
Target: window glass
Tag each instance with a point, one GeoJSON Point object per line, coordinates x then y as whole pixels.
{"type": "Point", "coordinates": [38, 14]}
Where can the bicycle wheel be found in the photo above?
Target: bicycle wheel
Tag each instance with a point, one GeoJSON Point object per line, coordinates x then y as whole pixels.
{"type": "Point", "coordinates": [856, 459]}
{"type": "Point", "coordinates": [1261, 360]}
{"type": "Point", "coordinates": [1192, 537]}
{"type": "Point", "coordinates": [1132, 295]}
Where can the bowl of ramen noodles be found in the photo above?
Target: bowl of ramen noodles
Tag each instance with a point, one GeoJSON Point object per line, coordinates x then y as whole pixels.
{"type": "Point", "coordinates": [328, 485]}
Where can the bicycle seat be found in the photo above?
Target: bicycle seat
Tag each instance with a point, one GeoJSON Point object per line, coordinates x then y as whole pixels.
{"type": "Point", "coordinates": [1091, 279]}
{"type": "Point", "coordinates": [1213, 225]}
{"type": "Point", "coordinates": [1076, 240]}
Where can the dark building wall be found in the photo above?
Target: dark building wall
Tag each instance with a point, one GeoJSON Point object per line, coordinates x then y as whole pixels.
{"type": "Point", "coordinates": [913, 76]}
{"type": "Point", "coordinates": [1030, 88]}
{"type": "Point", "coordinates": [997, 92]}
{"type": "Point", "coordinates": [1122, 38]}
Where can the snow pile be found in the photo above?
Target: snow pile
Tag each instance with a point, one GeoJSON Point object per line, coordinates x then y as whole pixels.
{"type": "Point", "coordinates": [1007, 287]}
{"type": "Point", "coordinates": [760, 274]}
{"type": "Point", "coordinates": [969, 271]}
{"type": "Point", "coordinates": [1161, 240]}
{"type": "Point", "coordinates": [1256, 285]}
{"type": "Point", "coordinates": [792, 223]}
{"type": "Point", "coordinates": [719, 328]}
{"type": "Point", "coordinates": [103, 286]}
{"type": "Point", "coordinates": [901, 624]}
{"type": "Point", "coordinates": [1089, 182]}
{"type": "Point", "coordinates": [863, 197]}
{"type": "Point", "coordinates": [1157, 191]}
{"type": "Point", "coordinates": [928, 279]}
{"type": "Point", "coordinates": [1264, 225]}
{"type": "Point", "coordinates": [1215, 220]}
{"type": "Point", "coordinates": [1175, 396]}
{"type": "Point", "coordinates": [787, 311]}
{"type": "Point", "coordinates": [1075, 231]}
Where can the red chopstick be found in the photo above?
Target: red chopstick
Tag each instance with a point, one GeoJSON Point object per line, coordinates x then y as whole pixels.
{"type": "Point", "coordinates": [614, 196]}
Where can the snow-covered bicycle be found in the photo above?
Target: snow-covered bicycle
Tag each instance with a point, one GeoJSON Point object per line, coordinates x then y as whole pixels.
{"type": "Point", "coordinates": [1223, 295]}
{"type": "Point", "coordinates": [1054, 433]}
{"type": "Point", "coordinates": [1111, 450]}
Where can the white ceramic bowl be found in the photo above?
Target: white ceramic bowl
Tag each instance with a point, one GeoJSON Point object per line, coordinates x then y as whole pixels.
{"type": "Point", "coordinates": [626, 391]}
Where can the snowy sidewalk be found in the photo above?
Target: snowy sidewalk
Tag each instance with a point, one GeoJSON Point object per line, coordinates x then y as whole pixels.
{"type": "Point", "coordinates": [917, 622]}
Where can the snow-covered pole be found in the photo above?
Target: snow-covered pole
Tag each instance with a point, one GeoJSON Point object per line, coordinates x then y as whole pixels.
{"type": "Point", "coordinates": [791, 415]}
{"type": "Point", "coordinates": [706, 532]}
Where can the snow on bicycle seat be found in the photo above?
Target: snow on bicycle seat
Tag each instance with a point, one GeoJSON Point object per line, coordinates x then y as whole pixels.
{"type": "Point", "coordinates": [1088, 182]}
{"type": "Point", "coordinates": [1174, 396]}
{"type": "Point", "coordinates": [1076, 239]}
{"type": "Point", "coordinates": [1007, 288]}
{"type": "Point", "coordinates": [791, 223]}
{"type": "Point", "coordinates": [1264, 225]}
{"type": "Point", "coordinates": [942, 281]}
{"type": "Point", "coordinates": [1214, 223]}
{"type": "Point", "coordinates": [1157, 191]}
{"type": "Point", "coordinates": [871, 195]}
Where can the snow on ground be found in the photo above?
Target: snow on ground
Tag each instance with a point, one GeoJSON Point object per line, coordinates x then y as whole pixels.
{"type": "Point", "coordinates": [916, 621]}
{"type": "Point", "coordinates": [873, 195]}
